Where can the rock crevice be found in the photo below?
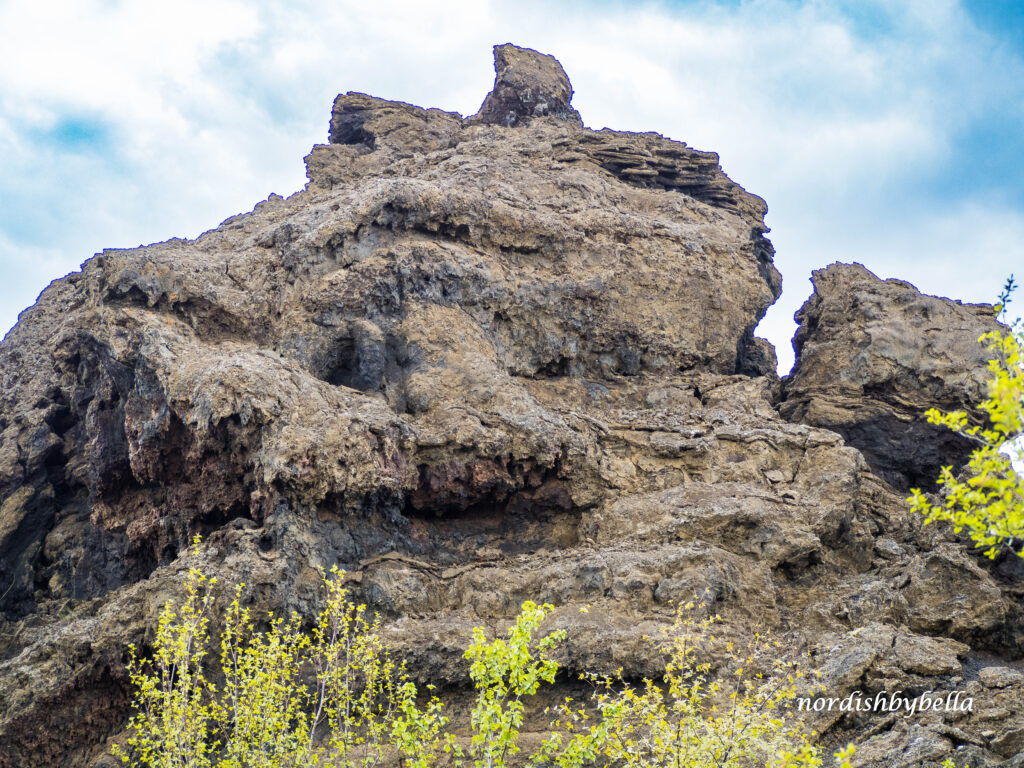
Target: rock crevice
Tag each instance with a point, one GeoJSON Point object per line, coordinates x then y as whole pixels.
{"type": "Point", "coordinates": [474, 362]}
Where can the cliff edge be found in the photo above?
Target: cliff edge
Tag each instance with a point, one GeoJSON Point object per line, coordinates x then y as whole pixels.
{"type": "Point", "coordinates": [483, 360]}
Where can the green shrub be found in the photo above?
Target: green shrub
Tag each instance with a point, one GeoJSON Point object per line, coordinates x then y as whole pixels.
{"type": "Point", "coordinates": [505, 671]}
{"type": "Point", "coordinates": [359, 708]}
{"type": "Point", "coordinates": [334, 696]}
{"type": "Point", "coordinates": [740, 718]}
{"type": "Point", "coordinates": [988, 499]}
{"type": "Point", "coordinates": [172, 717]}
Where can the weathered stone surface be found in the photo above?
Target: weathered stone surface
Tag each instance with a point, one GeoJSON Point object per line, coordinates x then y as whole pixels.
{"type": "Point", "coordinates": [472, 364]}
{"type": "Point", "coordinates": [370, 123]}
{"type": "Point", "coordinates": [527, 84]}
{"type": "Point", "coordinates": [999, 677]}
{"type": "Point", "coordinates": [873, 355]}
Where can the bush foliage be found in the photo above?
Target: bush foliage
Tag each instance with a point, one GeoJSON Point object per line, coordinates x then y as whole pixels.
{"type": "Point", "coordinates": [988, 498]}
{"type": "Point", "coordinates": [333, 695]}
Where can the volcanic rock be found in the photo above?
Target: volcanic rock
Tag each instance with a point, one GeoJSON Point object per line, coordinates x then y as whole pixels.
{"type": "Point", "coordinates": [527, 84]}
{"type": "Point", "coordinates": [873, 355]}
{"type": "Point", "coordinates": [476, 362]}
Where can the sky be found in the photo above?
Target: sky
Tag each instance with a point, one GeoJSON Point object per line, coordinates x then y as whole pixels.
{"type": "Point", "coordinates": [888, 133]}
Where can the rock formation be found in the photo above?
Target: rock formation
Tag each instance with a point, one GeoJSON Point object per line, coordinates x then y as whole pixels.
{"type": "Point", "coordinates": [478, 361]}
{"type": "Point", "coordinates": [873, 356]}
{"type": "Point", "coordinates": [527, 84]}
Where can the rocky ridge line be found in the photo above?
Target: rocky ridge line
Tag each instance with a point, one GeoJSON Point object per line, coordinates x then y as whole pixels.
{"type": "Point", "coordinates": [477, 361]}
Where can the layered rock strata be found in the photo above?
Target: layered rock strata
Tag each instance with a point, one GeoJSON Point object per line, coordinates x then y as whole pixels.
{"type": "Point", "coordinates": [478, 361]}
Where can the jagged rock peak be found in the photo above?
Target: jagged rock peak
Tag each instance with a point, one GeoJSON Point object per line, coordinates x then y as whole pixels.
{"type": "Point", "coordinates": [475, 365]}
{"type": "Point", "coordinates": [527, 84]}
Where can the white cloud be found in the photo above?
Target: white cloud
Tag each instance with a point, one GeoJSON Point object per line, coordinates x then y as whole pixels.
{"type": "Point", "coordinates": [211, 105]}
{"type": "Point", "coordinates": [35, 269]}
{"type": "Point", "coordinates": [122, 59]}
{"type": "Point", "coordinates": [965, 252]}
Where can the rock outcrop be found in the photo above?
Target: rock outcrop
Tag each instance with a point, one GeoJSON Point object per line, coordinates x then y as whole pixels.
{"type": "Point", "coordinates": [873, 355]}
{"type": "Point", "coordinates": [527, 84]}
{"type": "Point", "coordinates": [477, 361]}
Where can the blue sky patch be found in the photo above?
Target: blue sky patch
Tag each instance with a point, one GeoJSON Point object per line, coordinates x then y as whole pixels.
{"type": "Point", "coordinates": [77, 134]}
{"type": "Point", "coordinates": [1003, 19]}
{"type": "Point", "coordinates": [882, 132]}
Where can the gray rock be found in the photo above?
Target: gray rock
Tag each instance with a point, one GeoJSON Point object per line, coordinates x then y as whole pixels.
{"type": "Point", "coordinates": [930, 656]}
{"type": "Point", "coordinates": [527, 84]}
{"type": "Point", "coordinates": [999, 677]}
{"type": "Point", "coordinates": [873, 355]}
{"type": "Point", "coordinates": [476, 362]}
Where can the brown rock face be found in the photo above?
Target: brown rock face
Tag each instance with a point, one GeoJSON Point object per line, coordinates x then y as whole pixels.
{"type": "Point", "coordinates": [873, 355]}
{"type": "Point", "coordinates": [473, 362]}
{"type": "Point", "coordinates": [527, 84]}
